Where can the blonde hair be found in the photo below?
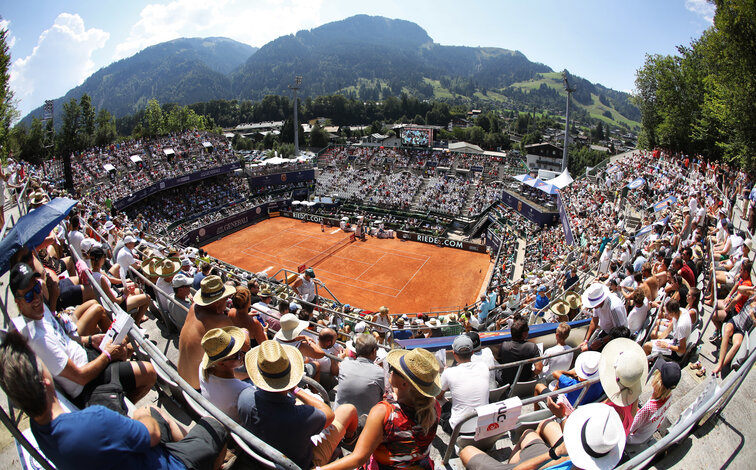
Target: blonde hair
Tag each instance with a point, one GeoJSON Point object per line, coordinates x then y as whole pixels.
{"type": "Point", "coordinates": [660, 391]}
{"type": "Point", "coordinates": [425, 409]}
{"type": "Point", "coordinates": [383, 310]}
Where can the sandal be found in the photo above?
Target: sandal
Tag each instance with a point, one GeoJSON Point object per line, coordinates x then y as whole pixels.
{"type": "Point", "coordinates": [701, 372]}
{"type": "Point", "coordinates": [696, 365]}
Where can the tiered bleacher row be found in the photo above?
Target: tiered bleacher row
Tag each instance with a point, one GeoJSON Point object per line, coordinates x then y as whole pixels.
{"type": "Point", "coordinates": [642, 319]}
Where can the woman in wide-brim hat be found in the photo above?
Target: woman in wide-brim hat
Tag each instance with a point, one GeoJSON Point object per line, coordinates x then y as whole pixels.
{"type": "Point", "coordinates": [411, 416]}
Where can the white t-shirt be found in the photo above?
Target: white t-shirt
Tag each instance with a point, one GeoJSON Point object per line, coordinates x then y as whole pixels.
{"type": "Point", "coordinates": [307, 289]}
{"type": "Point", "coordinates": [637, 316]}
{"type": "Point", "coordinates": [165, 289]}
{"type": "Point", "coordinates": [681, 328]}
{"type": "Point", "coordinates": [468, 384]}
{"type": "Point", "coordinates": [325, 362]}
{"type": "Point", "coordinates": [50, 343]}
{"type": "Point", "coordinates": [485, 356]}
{"type": "Point", "coordinates": [562, 362]}
{"type": "Point", "coordinates": [222, 392]}
{"type": "Point", "coordinates": [611, 313]}
{"type": "Point", "coordinates": [124, 260]}
{"type": "Point", "coordinates": [75, 238]}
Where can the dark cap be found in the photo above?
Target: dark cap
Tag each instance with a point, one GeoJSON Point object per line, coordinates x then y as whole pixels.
{"type": "Point", "coordinates": [670, 374]}
{"type": "Point", "coordinates": [20, 276]}
{"type": "Point", "coordinates": [475, 337]}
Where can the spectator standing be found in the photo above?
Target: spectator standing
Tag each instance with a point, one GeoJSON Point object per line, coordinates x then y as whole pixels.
{"type": "Point", "coordinates": [518, 349]}
{"type": "Point", "coordinates": [467, 382]}
{"type": "Point", "coordinates": [360, 379]}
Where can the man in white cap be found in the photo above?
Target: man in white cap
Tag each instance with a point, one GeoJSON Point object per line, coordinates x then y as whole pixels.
{"type": "Point", "coordinates": [468, 383]}
{"type": "Point", "coordinates": [187, 268]}
{"type": "Point", "coordinates": [294, 333]}
{"type": "Point", "coordinates": [607, 311]}
{"type": "Point", "coordinates": [181, 294]}
{"type": "Point", "coordinates": [126, 257]}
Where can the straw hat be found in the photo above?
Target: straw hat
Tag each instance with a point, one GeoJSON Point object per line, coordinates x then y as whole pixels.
{"type": "Point", "coordinates": [167, 267]}
{"type": "Point", "coordinates": [573, 299]}
{"type": "Point", "coordinates": [212, 290]}
{"type": "Point", "coordinates": [587, 364]}
{"type": "Point", "coordinates": [419, 367]}
{"type": "Point", "coordinates": [265, 292]}
{"type": "Point", "coordinates": [594, 437]}
{"type": "Point", "coordinates": [38, 197]}
{"type": "Point", "coordinates": [148, 265]}
{"type": "Point", "coordinates": [623, 370]}
{"type": "Point", "coordinates": [560, 308]}
{"type": "Point", "coordinates": [220, 343]}
{"type": "Point", "coordinates": [291, 327]}
{"type": "Point", "coordinates": [274, 367]}
{"type": "Point", "coordinates": [595, 295]}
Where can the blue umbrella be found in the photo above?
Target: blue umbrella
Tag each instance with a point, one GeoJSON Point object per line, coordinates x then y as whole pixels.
{"type": "Point", "coordinates": [32, 229]}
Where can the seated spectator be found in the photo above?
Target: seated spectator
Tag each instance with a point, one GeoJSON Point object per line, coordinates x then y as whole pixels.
{"type": "Point", "coordinates": [399, 431]}
{"type": "Point", "coordinates": [586, 368]}
{"type": "Point", "coordinates": [98, 436]}
{"type": "Point", "coordinates": [550, 447]}
{"type": "Point", "coordinates": [648, 419]}
{"type": "Point", "coordinates": [205, 270]}
{"type": "Point", "coordinates": [563, 362]}
{"type": "Point", "coordinates": [239, 315]}
{"type": "Point", "coordinates": [270, 412]}
{"type": "Point", "coordinates": [79, 369]}
{"type": "Point", "coordinates": [207, 312]}
{"type": "Point", "coordinates": [218, 381]}
{"type": "Point", "coordinates": [735, 330]}
{"type": "Point", "coordinates": [329, 368]}
{"type": "Point", "coordinates": [673, 340]}
{"type": "Point", "coordinates": [130, 298]}
{"type": "Point", "coordinates": [294, 333]}
{"type": "Point", "coordinates": [637, 316]}
{"type": "Point", "coordinates": [360, 379]}
{"type": "Point", "coordinates": [518, 349]}
{"type": "Point", "coordinates": [484, 356]}
{"type": "Point", "coordinates": [400, 332]}
{"type": "Point", "coordinates": [623, 369]}
{"type": "Point", "coordinates": [467, 381]}
{"type": "Point", "coordinates": [734, 301]}
{"type": "Point", "coordinates": [181, 285]}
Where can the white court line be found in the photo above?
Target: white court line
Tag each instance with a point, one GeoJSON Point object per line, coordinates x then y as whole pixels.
{"type": "Point", "coordinates": [336, 231]}
{"type": "Point", "coordinates": [395, 253]}
{"type": "Point", "coordinates": [267, 269]}
{"type": "Point", "coordinates": [366, 269]}
{"type": "Point", "coordinates": [413, 276]}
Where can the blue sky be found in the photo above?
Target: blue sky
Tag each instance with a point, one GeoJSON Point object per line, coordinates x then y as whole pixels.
{"type": "Point", "coordinates": [56, 44]}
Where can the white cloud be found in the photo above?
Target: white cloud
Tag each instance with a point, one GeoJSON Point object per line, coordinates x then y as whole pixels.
{"type": "Point", "coordinates": [703, 8]}
{"type": "Point", "coordinates": [62, 59]}
{"type": "Point", "coordinates": [253, 23]}
{"type": "Point", "coordinates": [10, 39]}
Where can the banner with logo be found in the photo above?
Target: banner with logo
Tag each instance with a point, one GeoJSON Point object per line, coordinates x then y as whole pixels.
{"type": "Point", "coordinates": [636, 183]}
{"type": "Point", "coordinates": [440, 241]}
{"type": "Point", "coordinates": [231, 224]}
{"type": "Point", "coordinates": [664, 203]}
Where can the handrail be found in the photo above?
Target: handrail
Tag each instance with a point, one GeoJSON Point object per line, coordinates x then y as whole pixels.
{"type": "Point", "coordinates": [159, 359]}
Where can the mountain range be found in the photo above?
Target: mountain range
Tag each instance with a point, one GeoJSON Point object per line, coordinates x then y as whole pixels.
{"type": "Point", "coordinates": [364, 57]}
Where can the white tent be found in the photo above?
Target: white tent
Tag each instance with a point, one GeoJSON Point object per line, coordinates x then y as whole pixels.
{"type": "Point", "coordinates": [108, 167]}
{"type": "Point", "coordinates": [168, 151]}
{"type": "Point", "coordinates": [135, 158]}
{"type": "Point", "coordinates": [561, 181]}
{"type": "Point", "coordinates": [207, 145]}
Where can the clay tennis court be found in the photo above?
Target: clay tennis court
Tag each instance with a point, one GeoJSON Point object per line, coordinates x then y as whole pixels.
{"type": "Point", "coordinates": [405, 276]}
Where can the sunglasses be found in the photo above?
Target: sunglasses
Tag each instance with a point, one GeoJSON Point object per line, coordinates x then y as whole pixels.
{"type": "Point", "coordinates": [29, 296]}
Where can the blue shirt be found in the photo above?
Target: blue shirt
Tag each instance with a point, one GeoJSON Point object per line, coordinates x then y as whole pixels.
{"type": "Point", "coordinates": [402, 334]}
{"type": "Point", "coordinates": [638, 264]}
{"type": "Point", "coordinates": [97, 437]}
{"type": "Point", "coordinates": [541, 301]}
{"type": "Point", "coordinates": [197, 280]}
{"type": "Point", "coordinates": [592, 394]}
{"type": "Point", "coordinates": [277, 420]}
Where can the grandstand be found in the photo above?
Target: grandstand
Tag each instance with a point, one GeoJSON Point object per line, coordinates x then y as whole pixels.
{"type": "Point", "coordinates": [425, 192]}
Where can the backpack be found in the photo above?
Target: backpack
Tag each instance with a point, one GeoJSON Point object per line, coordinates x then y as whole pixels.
{"type": "Point", "coordinates": [110, 395]}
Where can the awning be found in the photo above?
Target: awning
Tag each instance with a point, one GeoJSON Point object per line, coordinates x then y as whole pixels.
{"type": "Point", "coordinates": [561, 181]}
{"type": "Point", "coordinates": [524, 178]}
{"type": "Point", "coordinates": [545, 187]}
{"type": "Point", "coordinates": [207, 145]}
{"type": "Point", "coordinates": [108, 167]}
{"type": "Point", "coordinates": [168, 151]}
{"type": "Point", "coordinates": [135, 158]}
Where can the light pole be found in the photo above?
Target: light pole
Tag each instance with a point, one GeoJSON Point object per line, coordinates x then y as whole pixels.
{"type": "Point", "coordinates": [297, 82]}
{"type": "Point", "coordinates": [567, 120]}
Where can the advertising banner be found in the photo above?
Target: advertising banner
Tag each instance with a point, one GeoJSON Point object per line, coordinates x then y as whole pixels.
{"type": "Point", "coordinates": [566, 225]}
{"type": "Point", "coordinates": [531, 213]}
{"type": "Point", "coordinates": [430, 239]}
{"type": "Point", "coordinates": [231, 224]}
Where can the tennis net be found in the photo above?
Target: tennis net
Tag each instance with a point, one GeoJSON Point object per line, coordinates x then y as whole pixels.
{"type": "Point", "coordinates": [328, 252]}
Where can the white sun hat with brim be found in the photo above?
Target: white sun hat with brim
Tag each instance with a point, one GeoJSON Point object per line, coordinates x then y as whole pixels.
{"type": "Point", "coordinates": [291, 327]}
{"type": "Point", "coordinates": [623, 369]}
{"type": "Point", "coordinates": [587, 364]}
{"type": "Point", "coordinates": [594, 437]}
{"type": "Point", "coordinates": [595, 294]}
{"type": "Point", "coordinates": [274, 367]}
